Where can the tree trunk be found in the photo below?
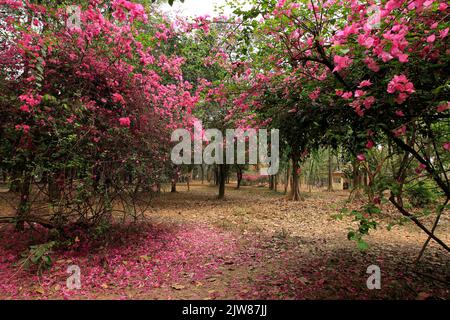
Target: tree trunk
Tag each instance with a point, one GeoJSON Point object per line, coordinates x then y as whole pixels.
{"type": "Point", "coordinates": [222, 175]}
{"type": "Point", "coordinates": [271, 182]}
{"type": "Point", "coordinates": [24, 205]}
{"type": "Point", "coordinates": [203, 173]}
{"type": "Point", "coordinates": [295, 187]}
{"type": "Point", "coordinates": [330, 173]}
{"type": "Point", "coordinates": [188, 179]}
{"type": "Point", "coordinates": [356, 188]}
{"type": "Point", "coordinates": [208, 174]}
{"type": "Point", "coordinates": [355, 175]}
{"type": "Point", "coordinates": [15, 182]}
{"type": "Point", "coordinates": [238, 176]}
{"type": "Point", "coordinates": [54, 186]}
{"type": "Point", "coordinates": [288, 175]}
{"type": "Point", "coordinates": [216, 176]}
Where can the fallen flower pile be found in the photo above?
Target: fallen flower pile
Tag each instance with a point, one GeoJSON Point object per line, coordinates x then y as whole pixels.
{"type": "Point", "coordinates": [142, 260]}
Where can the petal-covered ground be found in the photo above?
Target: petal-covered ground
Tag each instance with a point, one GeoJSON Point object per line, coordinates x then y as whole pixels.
{"type": "Point", "coordinates": [137, 261]}
{"type": "Point", "coordinates": [254, 245]}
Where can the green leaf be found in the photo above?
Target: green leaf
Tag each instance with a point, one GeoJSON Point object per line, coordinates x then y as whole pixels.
{"type": "Point", "coordinates": [337, 216]}
{"type": "Point", "coordinates": [362, 245]}
{"type": "Point", "coordinates": [351, 235]}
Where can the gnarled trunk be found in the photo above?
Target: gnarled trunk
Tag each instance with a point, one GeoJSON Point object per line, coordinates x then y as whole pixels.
{"type": "Point", "coordinates": [23, 209]}
{"type": "Point", "coordinates": [295, 182]}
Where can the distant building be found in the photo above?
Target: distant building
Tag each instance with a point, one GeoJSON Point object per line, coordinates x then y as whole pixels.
{"type": "Point", "coordinates": [339, 181]}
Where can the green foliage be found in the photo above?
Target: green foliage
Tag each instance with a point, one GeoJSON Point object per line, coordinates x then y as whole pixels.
{"type": "Point", "coordinates": [366, 222]}
{"type": "Point", "coordinates": [422, 194]}
{"type": "Point", "coordinates": [38, 256]}
{"type": "Point", "coordinates": [102, 229]}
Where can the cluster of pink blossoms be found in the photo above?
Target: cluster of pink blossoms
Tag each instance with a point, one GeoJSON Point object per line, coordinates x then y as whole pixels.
{"type": "Point", "coordinates": [401, 84]}
{"type": "Point", "coordinates": [341, 63]}
{"type": "Point", "coordinates": [135, 11]}
{"type": "Point", "coordinates": [30, 101]}
{"type": "Point", "coordinates": [125, 122]}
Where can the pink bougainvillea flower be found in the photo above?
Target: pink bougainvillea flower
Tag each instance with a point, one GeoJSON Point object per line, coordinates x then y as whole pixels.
{"type": "Point", "coordinates": [447, 146]}
{"type": "Point", "coordinates": [369, 144]}
{"type": "Point", "coordinates": [357, 107]}
{"type": "Point", "coordinates": [403, 58]}
{"type": "Point", "coordinates": [399, 54]}
{"type": "Point", "coordinates": [431, 38]}
{"type": "Point", "coordinates": [443, 6]}
{"type": "Point", "coordinates": [30, 99]}
{"type": "Point", "coordinates": [377, 200]}
{"type": "Point", "coordinates": [399, 113]}
{"type": "Point", "coordinates": [386, 56]}
{"type": "Point", "coordinates": [401, 98]}
{"type": "Point", "coordinates": [125, 122]}
{"type": "Point", "coordinates": [71, 119]}
{"type": "Point", "coordinates": [341, 63]}
{"type": "Point", "coordinates": [117, 98]}
{"type": "Point", "coordinates": [420, 168]}
{"type": "Point", "coordinates": [400, 83]}
{"type": "Point", "coordinates": [135, 11]}
{"type": "Point", "coordinates": [359, 93]}
{"type": "Point", "coordinates": [347, 95]}
{"type": "Point", "coordinates": [393, 4]}
{"type": "Point", "coordinates": [315, 94]}
{"type": "Point", "coordinates": [369, 102]}
{"type": "Point", "coordinates": [443, 107]}
{"type": "Point", "coordinates": [25, 108]}
{"type": "Point", "coordinates": [366, 41]}
{"type": "Point", "coordinates": [400, 131]}
{"type": "Point", "coordinates": [365, 83]}
{"type": "Point", "coordinates": [361, 157]}
{"type": "Point", "coordinates": [371, 64]}
{"type": "Point", "coordinates": [24, 127]}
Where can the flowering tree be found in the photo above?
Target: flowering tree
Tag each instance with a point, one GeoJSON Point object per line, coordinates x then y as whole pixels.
{"type": "Point", "coordinates": [89, 101]}
{"type": "Point", "coordinates": [366, 62]}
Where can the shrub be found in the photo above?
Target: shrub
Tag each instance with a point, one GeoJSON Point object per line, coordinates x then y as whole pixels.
{"type": "Point", "coordinates": [421, 194]}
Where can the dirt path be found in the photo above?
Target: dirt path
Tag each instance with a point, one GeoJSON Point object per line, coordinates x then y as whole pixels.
{"type": "Point", "coordinates": [252, 245]}
{"type": "Point", "coordinates": [302, 251]}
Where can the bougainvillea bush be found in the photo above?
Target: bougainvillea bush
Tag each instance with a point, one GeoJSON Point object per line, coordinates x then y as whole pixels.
{"type": "Point", "coordinates": [88, 102]}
